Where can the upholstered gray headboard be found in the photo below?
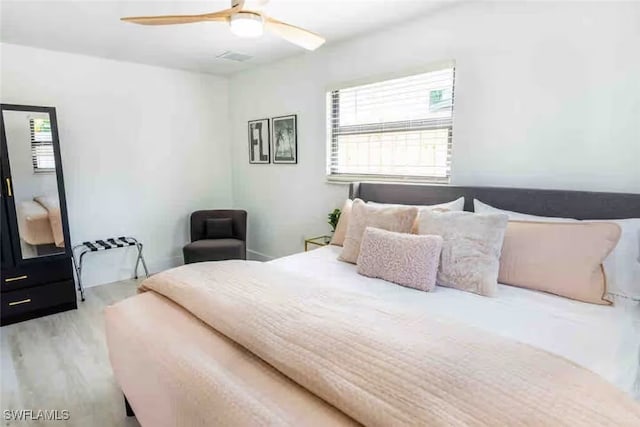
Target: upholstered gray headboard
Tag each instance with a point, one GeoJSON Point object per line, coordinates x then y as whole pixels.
{"type": "Point", "coordinates": [558, 203]}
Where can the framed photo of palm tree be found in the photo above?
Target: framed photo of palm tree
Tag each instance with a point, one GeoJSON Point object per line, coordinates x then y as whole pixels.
{"type": "Point", "coordinates": [284, 139]}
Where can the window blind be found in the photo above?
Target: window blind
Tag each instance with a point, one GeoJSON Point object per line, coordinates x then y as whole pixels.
{"type": "Point", "coordinates": [41, 145]}
{"type": "Point", "coordinates": [400, 128]}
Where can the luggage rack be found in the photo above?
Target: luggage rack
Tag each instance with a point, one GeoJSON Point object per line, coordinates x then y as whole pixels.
{"type": "Point", "coordinates": [102, 245]}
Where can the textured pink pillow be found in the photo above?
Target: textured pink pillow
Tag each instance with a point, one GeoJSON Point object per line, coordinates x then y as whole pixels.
{"type": "Point", "coordinates": [406, 259]}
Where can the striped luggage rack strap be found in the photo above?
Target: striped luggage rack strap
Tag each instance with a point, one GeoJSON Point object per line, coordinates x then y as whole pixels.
{"type": "Point", "coordinates": [111, 243]}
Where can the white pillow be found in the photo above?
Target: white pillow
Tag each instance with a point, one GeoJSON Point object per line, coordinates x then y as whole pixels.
{"type": "Point", "coordinates": [622, 266]}
{"type": "Point", "coordinates": [453, 206]}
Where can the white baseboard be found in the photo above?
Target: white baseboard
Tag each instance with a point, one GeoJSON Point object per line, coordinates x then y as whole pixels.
{"type": "Point", "coordinates": [258, 256]}
{"type": "Point", "coordinates": [97, 273]}
{"type": "Point", "coordinates": [164, 264]}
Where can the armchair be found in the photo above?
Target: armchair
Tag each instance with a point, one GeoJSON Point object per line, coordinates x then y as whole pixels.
{"type": "Point", "coordinates": [215, 238]}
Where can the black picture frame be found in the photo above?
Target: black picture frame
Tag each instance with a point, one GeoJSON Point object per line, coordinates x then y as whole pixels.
{"type": "Point", "coordinates": [259, 142]}
{"type": "Point", "coordinates": [284, 139]}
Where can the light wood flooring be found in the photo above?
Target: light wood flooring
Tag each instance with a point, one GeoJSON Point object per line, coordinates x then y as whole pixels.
{"type": "Point", "coordinates": [61, 362]}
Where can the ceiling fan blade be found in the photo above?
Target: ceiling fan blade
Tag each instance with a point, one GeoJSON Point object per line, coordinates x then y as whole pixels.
{"type": "Point", "coordinates": [168, 20]}
{"type": "Point", "coordinates": [184, 19]}
{"type": "Point", "coordinates": [293, 34]}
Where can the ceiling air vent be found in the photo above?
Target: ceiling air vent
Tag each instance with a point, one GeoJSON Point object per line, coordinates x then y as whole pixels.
{"type": "Point", "coordinates": [234, 56]}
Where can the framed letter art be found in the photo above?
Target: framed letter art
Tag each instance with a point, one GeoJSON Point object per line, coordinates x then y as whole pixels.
{"type": "Point", "coordinates": [259, 146]}
{"type": "Point", "coordinates": [284, 139]}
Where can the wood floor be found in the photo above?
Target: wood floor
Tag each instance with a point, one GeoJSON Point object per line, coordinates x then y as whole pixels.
{"type": "Point", "coordinates": [61, 362]}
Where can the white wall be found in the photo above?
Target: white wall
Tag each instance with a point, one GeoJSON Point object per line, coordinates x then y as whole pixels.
{"type": "Point", "coordinates": [547, 96]}
{"type": "Point", "coordinates": [142, 147]}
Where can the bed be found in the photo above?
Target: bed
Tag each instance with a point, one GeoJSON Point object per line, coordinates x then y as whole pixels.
{"type": "Point", "coordinates": [33, 223]}
{"type": "Point", "coordinates": [176, 369]}
{"type": "Point", "coordinates": [40, 222]}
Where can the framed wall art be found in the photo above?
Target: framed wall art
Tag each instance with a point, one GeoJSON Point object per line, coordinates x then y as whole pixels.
{"type": "Point", "coordinates": [284, 139]}
{"type": "Point", "coordinates": [259, 143]}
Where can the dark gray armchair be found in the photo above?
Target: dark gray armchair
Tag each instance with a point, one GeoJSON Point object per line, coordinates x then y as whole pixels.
{"type": "Point", "coordinates": [217, 235]}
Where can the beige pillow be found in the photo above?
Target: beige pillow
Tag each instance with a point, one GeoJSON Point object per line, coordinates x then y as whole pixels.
{"type": "Point", "coordinates": [392, 218]}
{"type": "Point", "coordinates": [470, 258]}
{"type": "Point", "coordinates": [343, 223]}
{"type": "Point", "coordinates": [560, 258]}
{"type": "Point", "coordinates": [621, 267]}
{"type": "Point", "coordinates": [453, 206]}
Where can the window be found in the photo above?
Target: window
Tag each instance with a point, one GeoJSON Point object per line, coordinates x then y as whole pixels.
{"type": "Point", "coordinates": [41, 146]}
{"type": "Point", "coordinates": [393, 129]}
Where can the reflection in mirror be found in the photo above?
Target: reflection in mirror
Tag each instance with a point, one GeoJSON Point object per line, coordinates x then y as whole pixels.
{"type": "Point", "coordinates": [34, 182]}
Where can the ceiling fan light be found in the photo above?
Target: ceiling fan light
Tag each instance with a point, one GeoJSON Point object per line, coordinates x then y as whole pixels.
{"type": "Point", "coordinates": [246, 24]}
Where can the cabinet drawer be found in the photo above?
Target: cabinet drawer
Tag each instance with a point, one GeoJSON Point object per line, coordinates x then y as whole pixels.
{"type": "Point", "coordinates": [37, 298]}
{"type": "Point", "coordinates": [36, 273]}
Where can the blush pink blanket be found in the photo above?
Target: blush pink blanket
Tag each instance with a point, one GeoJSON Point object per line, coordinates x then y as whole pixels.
{"type": "Point", "coordinates": [177, 371]}
{"type": "Point", "coordinates": [383, 364]}
{"type": "Point", "coordinates": [33, 223]}
{"type": "Point", "coordinates": [52, 205]}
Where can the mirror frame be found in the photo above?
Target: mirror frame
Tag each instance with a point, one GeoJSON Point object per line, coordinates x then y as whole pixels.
{"type": "Point", "coordinates": [6, 173]}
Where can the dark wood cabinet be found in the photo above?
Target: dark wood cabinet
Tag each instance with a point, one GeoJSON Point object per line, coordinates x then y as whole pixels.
{"type": "Point", "coordinates": [5, 250]}
{"type": "Point", "coordinates": [36, 272]}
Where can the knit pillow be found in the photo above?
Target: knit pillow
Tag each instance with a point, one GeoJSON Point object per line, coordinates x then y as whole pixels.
{"type": "Point", "coordinates": [406, 259]}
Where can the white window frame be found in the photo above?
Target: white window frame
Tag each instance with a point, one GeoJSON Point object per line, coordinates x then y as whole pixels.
{"type": "Point", "coordinates": [426, 124]}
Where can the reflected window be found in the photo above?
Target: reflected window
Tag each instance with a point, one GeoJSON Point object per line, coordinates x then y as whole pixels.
{"type": "Point", "coordinates": [42, 146]}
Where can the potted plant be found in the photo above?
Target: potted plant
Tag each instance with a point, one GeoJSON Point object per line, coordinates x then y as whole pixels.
{"type": "Point", "coordinates": [333, 218]}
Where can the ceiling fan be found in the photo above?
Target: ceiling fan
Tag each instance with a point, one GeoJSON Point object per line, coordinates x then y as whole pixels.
{"type": "Point", "coordinates": [242, 22]}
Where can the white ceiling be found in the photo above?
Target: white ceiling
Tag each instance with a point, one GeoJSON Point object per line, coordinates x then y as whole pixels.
{"type": "Point", "coordinates": [93, 28]}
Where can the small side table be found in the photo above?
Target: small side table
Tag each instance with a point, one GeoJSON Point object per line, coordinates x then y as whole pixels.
{"type": "Point", "coordinates": [316, 241]}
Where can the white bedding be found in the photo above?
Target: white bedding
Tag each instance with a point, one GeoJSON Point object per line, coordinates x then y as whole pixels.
{"type": "Point", "coordinates": [603, 339]}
